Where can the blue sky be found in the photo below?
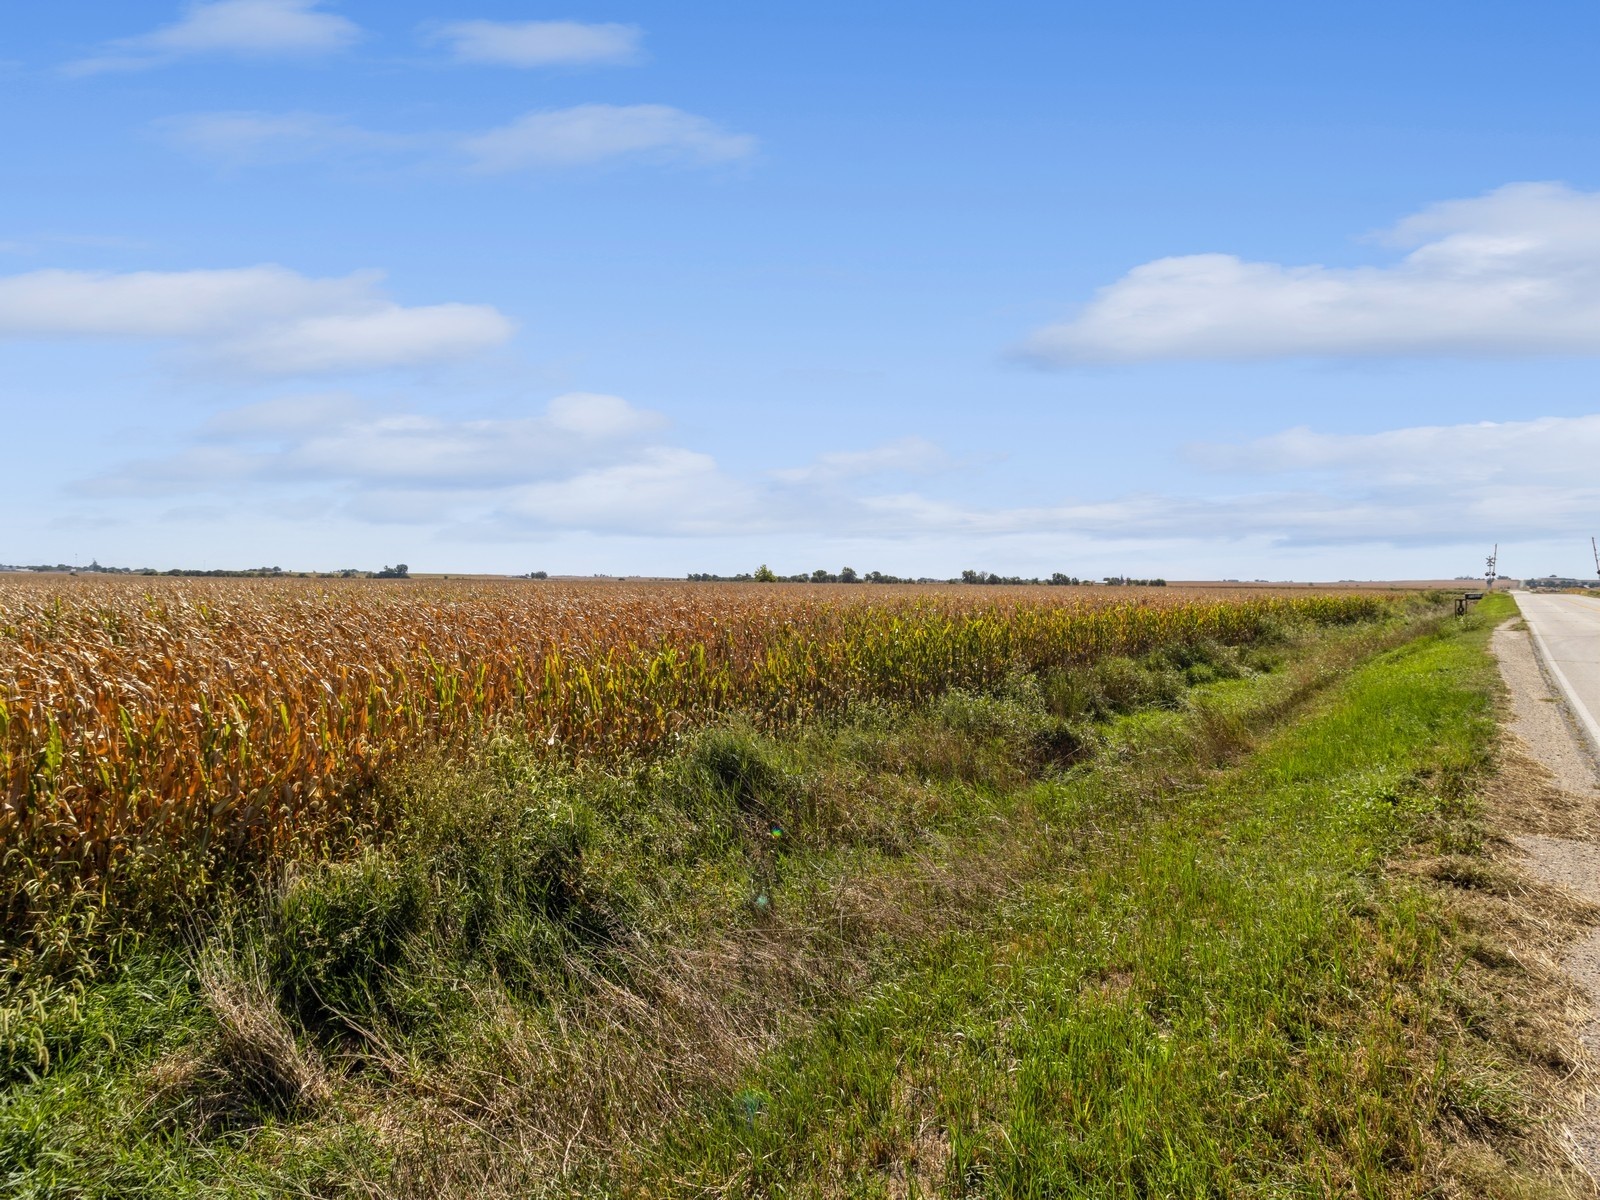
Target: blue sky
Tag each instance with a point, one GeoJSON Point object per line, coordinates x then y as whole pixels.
{"type": "Point", "coordinates": [1238, 290]}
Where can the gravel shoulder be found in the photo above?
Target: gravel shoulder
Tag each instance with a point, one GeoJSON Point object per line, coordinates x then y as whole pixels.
{"type": "Point", "coordinates": [1540, 717]}
{"type": "Point", "coordinates": [1548, 805]}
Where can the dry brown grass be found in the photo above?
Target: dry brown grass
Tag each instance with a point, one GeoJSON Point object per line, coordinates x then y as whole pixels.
{"type": "Point", "coordinates": [1527, 799]}
{"type": "Point", "coordinates": [1510, 992]}
{"type": "Point", "coordinates": [255, 1045]}
{"type": "Point", "coordinates": [250, 1068]}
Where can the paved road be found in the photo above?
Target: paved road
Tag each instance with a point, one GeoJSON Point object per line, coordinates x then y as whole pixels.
{"type": "Point", "coordinates": [1567, 632]}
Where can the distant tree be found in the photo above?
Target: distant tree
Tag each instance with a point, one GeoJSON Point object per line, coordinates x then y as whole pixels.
{"type": "Point", "coordinates": [822, 576]}
{"type": "Point", "coordinates": [398, 571]}
{"type": "Point", "coordinates": [848, 575]}
{"type": "Point", "coordinates": [765, 574]}
{"type": "Point", "coordinates": [538, 574]}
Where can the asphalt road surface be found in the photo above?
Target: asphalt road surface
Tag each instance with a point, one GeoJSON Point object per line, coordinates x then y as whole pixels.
{"type": "Point", "coordinates": [1566, 630]}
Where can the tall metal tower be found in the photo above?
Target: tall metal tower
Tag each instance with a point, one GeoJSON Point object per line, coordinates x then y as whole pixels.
{"type": "Point", "coordinates": [1490, 573]}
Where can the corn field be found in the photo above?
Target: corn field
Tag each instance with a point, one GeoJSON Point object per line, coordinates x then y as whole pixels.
{"type": "Point", "coordinates": [155, 733]}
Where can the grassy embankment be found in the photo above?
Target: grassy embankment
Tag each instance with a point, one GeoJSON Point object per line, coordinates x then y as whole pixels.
{"type": "Point", "coordinates": [1221, 992]}
{"type": "Point", "coordinates": [1119, 931]}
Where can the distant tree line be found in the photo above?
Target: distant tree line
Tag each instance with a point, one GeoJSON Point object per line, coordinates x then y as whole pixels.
{"type": "Point", "coordinates": [94, 568]}
{"type": "Point", "coordinates": [765, 574]}
{"type": "Point", "coordinates": [762, 574]}
{"type": "Point", "coordinates": [1058, 580]}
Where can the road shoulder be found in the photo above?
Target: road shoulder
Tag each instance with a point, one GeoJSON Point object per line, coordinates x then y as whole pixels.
{"type": "Point", "coordinates": [1546, 805]}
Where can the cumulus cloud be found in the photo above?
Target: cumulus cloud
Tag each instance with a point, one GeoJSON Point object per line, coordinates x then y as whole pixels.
{"type": "Point", "coordinates": [539, 43]}
{"type": "Point", "coordinates": [598, 464]}
{"type": "Point", "coordinates": [587, 461]}
{"type": "Point", "coordinates": [266, 319]}
{"type": "Point", "coordinates": [1421, 486]}
{"type": "Point", "coordinates": [339, 439]}
{"type": "Point", "coordinates": [1513, 272]}
{"type": "Point", "coordinates": [234, 28]}
{"type": "Point", "coordinates": [1557, 450]}
{"type": "Point", "coordinates": [593, 415]}
{"type": "Point", "coordinates": [576, 431]}
{"type": "Point", "coordinates": [167, 303]}
{"type": "Point", "coordinates": [593, 133]}
{"type": "Point", "coordinates": [667, 490]}
{"type": "Point", "coordinates": [1509, 478]}
{"type": "Point", "coordinates": [383, 335]}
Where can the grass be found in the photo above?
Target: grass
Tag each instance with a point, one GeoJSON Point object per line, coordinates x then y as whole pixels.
{"type": "Point", "coordinates": [1121, 931]}
{"type": "Point", "coordinates": [1220, 996]}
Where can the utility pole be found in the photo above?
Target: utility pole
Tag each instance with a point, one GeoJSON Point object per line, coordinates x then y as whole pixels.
{"type": "Point", "coordinates": [1490, 575]}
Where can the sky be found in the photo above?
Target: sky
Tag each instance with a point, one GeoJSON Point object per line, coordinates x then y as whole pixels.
{"type": "Point", "coordinates": [1236, 290]}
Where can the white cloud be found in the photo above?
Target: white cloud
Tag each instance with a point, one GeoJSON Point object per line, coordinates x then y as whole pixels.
{"type": "Point", "coordinates": [384, 336]}
{"type": "Point", "coordinates": [1561, 451]}
{"type": "Point", "coordinates": [235, 28]}
{"type": "Point", "coordinates": [592, 133]}
{"type": "Point", "coordinates": [266, 319]}
{"type": "Point", "coordinates": [334, 438]}
{"type": "Point", "coordinates": [665, 491]}
{"type": "Point", "coordinates": [166, 303]}
{"type": "Point", "coordinates": [910, 454]}
{"type": "Point", "coordinates": [540, 43]}
{"type": "Point", "coordinates": [1424, 486]}
{"type": "Point", "coordinates": [592, 415]}
{"type": "Point", "coordinates": [1513, 272]}
{"type": "Point", "coordinates": [670, 491]}
{"type": "Point", "coordinates": [596, 464]}
{"type": "Point", "coordinates": [474, 454]}
{"type": "Point", "coordinates": [245, 138]}
{"type": "Point", "coordinates": [586, 462]}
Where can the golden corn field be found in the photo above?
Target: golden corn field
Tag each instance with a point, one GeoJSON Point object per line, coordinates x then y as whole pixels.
{"type": "Point", "coordinates": [154, 732]}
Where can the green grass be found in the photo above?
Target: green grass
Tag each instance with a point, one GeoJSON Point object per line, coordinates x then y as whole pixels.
{"type": "Point", "coordinates": [1223, 996]}
{"type": "Point", "coordinates": [1084, 935]}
